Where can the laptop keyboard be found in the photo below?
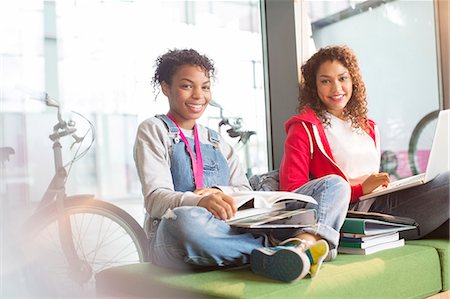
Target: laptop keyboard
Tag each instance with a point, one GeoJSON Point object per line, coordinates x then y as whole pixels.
{"type": "Point", "coordinates": [415, 178]}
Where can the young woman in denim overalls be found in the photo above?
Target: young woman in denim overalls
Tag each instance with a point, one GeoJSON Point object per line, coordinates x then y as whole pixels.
{"type": "Point", "coordinates": [185, 189]}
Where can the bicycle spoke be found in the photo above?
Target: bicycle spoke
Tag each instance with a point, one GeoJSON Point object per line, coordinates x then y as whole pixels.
{"type": "Point", "coordinates": [106, 237]}
{"type": "Point", "coordinates": [102, 238]}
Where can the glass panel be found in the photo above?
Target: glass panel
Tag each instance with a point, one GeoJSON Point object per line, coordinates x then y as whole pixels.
{"type": "Point", "coordinates": [396, 47]}
{"type": "Point", "coordinates": [97, 58]}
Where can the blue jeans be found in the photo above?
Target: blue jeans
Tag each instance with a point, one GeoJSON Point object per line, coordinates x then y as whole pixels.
{"type": "Point", "coordinates": [332, 194]}
{"type": "Point", "coordinates": [191, 236]}
{"type": "Point", "coordinates": [428, 204]}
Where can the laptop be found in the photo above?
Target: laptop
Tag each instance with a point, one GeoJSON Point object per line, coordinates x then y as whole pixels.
{"type": "Point", "coordinates": [438, 162]}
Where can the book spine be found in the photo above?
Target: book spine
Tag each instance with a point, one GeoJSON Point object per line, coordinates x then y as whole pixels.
{"type": "Point", "coordinates": [350, 244]}
{"type": "Point", "coordinates": [354, 226]}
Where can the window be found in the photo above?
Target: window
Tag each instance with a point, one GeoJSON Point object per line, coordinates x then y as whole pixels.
{"type": "Point", "coordinates": [395, 42]}
{"type": "Point", "coordinates": [97, 58]}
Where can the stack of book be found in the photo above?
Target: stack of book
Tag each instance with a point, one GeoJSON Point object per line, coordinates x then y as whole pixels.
{"type": "Point", "coordinates": [367, 236]}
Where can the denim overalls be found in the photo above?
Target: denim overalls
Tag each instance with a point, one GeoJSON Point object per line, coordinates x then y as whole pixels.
{"type": "Point", "coordinates": [215, 166]}
{"type": "Point", "coordinates": [191, 236]}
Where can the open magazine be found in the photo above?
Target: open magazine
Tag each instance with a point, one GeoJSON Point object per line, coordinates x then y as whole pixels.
{"type": "Point", "coordinates": [278, 219]}
{"type": "Point", "coordinates": [267, 209]}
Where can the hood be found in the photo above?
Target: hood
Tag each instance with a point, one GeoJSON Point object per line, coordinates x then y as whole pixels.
{"type": "Point", "coordinates": [307, 115]}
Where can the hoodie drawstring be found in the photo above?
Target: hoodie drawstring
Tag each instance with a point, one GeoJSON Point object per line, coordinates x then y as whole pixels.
{"type": "Point", "coordinates": [311, 148]}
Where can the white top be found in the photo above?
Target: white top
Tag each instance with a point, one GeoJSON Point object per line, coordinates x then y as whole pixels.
{"type": "Point", "coordinates": [353, 150]}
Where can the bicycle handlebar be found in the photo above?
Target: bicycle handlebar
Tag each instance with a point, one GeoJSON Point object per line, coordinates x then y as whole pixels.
{"type": "Point", "coordinates": [62, 128]}
{"type": "Point", "coordinates": [58, 134]}
{"type": "Point", "coordinates": [67, 128]}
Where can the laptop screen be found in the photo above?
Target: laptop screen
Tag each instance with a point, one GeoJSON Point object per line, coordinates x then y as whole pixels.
{"type": "Point", "coordinates": [439, 160]}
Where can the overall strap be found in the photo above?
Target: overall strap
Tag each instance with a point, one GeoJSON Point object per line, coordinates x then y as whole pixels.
{"type": "Point", "coordinates": [197, 157]}
{"type": "Point", "coordinates": [174, 132]}
{"type": "Point", "coordinates": [213, 137]}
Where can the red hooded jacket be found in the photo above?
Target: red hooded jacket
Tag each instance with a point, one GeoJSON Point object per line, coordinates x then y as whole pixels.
{"type": "Point", "coordinates": [307, 153]}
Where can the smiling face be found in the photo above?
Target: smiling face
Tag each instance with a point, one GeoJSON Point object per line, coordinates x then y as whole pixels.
{"type": "Point", "coordinates": [189, 94]}
{"type": "Point", "coordinates": [334, 86]}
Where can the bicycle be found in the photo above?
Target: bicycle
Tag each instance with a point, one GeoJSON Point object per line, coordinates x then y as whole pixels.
{"type": "Point", "coordinates": [234, 131]}
{"type": "Point", "coordinates": [68, 239]}
{"type": "Point", "coordinates": [421, 139]}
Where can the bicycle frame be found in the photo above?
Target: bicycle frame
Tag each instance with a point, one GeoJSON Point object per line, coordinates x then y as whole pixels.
{"type": "Point", "coordinates": [56, 192]}
{"type": "Point", "coordinates": [68, 239]}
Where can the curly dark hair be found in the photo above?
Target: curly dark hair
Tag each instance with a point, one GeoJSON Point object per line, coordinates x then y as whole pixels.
{"type": "Point", "coordinates": [356, 108]}
{"type": "Point", "coordinates": [167, 64]}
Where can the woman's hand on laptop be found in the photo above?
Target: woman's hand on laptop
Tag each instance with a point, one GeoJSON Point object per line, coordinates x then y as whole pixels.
{"type": "Point", "coordinates": [374, 181]}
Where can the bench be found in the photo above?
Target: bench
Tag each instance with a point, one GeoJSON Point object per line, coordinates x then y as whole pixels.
{"type": "Point", "coordinates": [417, 270]}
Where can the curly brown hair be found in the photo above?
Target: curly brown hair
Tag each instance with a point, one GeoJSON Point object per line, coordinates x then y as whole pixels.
{"type": "Point", "coordinates": [356, 108]}
{"type": "Point", "coordinates": [168, 63]}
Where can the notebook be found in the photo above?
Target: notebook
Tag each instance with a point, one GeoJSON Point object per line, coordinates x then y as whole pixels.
{"type": "Point", "coordinates": [438, 161]}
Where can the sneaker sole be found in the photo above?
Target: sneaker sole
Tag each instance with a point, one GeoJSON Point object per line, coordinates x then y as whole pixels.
{"type": "Point", "coordinates": [284, 264]}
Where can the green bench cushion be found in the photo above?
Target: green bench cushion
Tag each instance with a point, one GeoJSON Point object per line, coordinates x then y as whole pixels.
{"type": "Point", "coordinates": [406, 272]}
{"type": "Point", "coordinates": [443, 249]}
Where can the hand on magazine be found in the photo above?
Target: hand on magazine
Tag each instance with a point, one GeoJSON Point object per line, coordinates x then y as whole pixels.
{"type": "Point", "coordinates": [222, 206]}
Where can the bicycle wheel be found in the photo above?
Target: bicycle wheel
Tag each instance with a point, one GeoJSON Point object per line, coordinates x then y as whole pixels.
{"type": "Point", "coordinates": [103, 234]}
{"type": "Point", "coordinates": [420, 142]}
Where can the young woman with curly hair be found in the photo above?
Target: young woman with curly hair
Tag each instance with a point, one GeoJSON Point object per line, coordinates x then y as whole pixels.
{"type": "Point", "coordinates": [188, 172]}
{"type": "Point", "coordinates": [332, 134]}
